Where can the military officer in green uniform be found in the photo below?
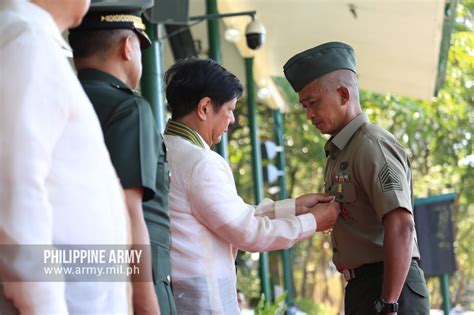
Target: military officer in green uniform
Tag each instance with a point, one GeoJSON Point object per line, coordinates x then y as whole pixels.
{"type": "Point", "coordinates": [107, 54]}
{"type": "Point", "coordinates": [368, 172]}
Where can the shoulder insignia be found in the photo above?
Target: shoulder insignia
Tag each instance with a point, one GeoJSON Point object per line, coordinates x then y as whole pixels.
{"type": "Point", "coordinates": [389, 179]}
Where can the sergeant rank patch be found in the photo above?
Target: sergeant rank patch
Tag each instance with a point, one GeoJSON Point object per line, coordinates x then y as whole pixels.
{"type": "Point", "coordinates": [389, 179]}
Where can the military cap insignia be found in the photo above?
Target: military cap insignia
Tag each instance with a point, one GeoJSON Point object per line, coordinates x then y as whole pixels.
{"type": "Point", "coordinates": [127, 18]}
{"type": "Point", "coordinates": [103, 21]}
{"type": "Point", "coordinates": [389, 179]}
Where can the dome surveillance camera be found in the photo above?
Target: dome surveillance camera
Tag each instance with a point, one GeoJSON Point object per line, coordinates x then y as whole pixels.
{"type": "Point", "coordinates": [255, 34]}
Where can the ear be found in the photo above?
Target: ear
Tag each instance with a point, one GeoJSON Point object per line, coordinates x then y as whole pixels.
{"type": "Point", "coordinates": [345, 94]}
{"type": "Point", "coordinates": [126, 48]}
{"type": "Point", "coordinates": [204, 107]}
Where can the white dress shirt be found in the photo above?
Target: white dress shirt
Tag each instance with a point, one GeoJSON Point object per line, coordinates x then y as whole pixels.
{"type": "Point", "coordinates": [57, 183]}
{"type": "Point", "coordinates": [209, 222]}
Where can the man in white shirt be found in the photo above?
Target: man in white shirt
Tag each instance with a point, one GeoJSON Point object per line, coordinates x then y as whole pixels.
{"type": "Point", "coordinates": [57, 183]}
{"type": "Point", "coordinates": [209, 221]}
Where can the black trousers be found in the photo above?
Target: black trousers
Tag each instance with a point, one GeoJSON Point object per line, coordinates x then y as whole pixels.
{"type": "Point", "coordinates": [362, 291]}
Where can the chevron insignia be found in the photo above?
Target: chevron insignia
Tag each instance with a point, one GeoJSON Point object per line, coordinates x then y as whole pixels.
{"type": "Point", "coordinates": [389, 179]}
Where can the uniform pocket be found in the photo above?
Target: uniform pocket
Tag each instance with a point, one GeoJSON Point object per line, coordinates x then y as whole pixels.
{"type": "Point", "coordinates": [161, 263]}
{"type": "Point", "coordinates": [345, 193]}
{"type": "Point", "coordinates": [163, 176]}
{"type": "Point", "coordinates": [416, 282]}
{"type": "Point", "coordinates": [418, 288]}
{"type": "Point", "coordinates": [162, 278]}
{"type": "Point", "coordinates": [165, 298]}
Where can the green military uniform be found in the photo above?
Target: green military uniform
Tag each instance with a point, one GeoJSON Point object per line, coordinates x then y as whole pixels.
{"type": "Point", "coordinates": [138, 154]}
{"type": "Point", "coordinates": [369, 174]}
{"type": "Point", "coordinates": [136, 148]}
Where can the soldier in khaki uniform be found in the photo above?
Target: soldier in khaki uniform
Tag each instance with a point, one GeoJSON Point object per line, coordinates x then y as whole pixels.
{"type": "Point", "coordinates": [107, 54]}
{"type": "Point", "coordinates": [368, 171]}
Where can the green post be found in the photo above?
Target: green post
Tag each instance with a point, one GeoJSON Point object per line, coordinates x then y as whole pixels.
{"type": "Point", "coordinates": [283, 194]}
{"type": "Point", "coordinates": [444, 281]}
{"type": "Point", "coordinates": [448, 24]}
{"type": "Point", "coordinates": [152, 76]}
{"type": "Point", "coordinates": [256, 167]}
{"type": "Point", "coordinates": [215, 54]}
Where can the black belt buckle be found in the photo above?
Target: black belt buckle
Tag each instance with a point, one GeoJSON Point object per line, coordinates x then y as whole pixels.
{"type": "Point", "coordinates": [371, 268]}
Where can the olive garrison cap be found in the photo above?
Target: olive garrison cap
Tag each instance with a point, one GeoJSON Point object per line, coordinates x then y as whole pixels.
{"type": "Point", "coordinates": [313, 63]}
{"type": "Point", "coordinates": [105, 20]}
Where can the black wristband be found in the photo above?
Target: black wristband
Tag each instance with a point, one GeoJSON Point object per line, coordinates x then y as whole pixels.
{"type": "Point", "coordinates": [382, 307]}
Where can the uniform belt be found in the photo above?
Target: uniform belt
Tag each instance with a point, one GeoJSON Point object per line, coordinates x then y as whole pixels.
{"type": "Point", "coordinates": [364, 270]}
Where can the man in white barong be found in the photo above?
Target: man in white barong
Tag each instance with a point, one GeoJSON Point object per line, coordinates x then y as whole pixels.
{"type": "Point", "coordinates": [209, 221]}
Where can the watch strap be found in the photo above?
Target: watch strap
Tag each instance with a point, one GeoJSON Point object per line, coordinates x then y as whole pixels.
{"type": "Point", "coordinates": [383, 307]}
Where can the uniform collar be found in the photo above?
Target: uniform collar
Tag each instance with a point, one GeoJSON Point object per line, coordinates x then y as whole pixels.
{"type": "Point", "coordinates": [97, 75]}
{"type": "Point", "coordinates": [175, 128]}
{"type": "Point", "coordinates": [340, 140]}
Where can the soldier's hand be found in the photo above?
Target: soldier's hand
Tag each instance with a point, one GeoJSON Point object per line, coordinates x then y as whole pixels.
{"type": "Point", "coordinates": [326, 215]}
{"type": "Point", "coordinates": [144, 299]}
{"type": "Point", "coordinates": [305, 202]}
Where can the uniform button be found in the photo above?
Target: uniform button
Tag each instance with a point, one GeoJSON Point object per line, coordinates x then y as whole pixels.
{"type": "Point", "coordinates": [334, 250]}
{"type": "Point", "coordinates": [168, 278]}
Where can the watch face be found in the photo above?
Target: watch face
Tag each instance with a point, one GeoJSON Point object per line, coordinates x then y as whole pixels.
{"type": "Point", "coordinates": [378, 305]}
{"type": "Point", "coordinates": [382, 307]}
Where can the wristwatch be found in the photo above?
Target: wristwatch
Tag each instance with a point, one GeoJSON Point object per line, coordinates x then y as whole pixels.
{"type": "Point", "coordinates": [382, 307]}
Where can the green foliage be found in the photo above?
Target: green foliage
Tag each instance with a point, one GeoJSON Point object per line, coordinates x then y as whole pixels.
{"type": "Point", "coordinates": [304, 146]}
{"type": "Point", "coordinates": [309, 307]}
{"type": "Point", "coordinates": [437, 134]}
{"type": "Point", "coordinates": [465, 16]}
{"type": "Point", "coordinates": [247, 277]}
{"type": "Point", "coordinates": [278, 308]}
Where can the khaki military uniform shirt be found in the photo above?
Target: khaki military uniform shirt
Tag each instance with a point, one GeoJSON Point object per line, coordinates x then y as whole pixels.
{"type": "Point", "coordinates": [368, 172]}
{"type": "Point", "coordinates": [138, 154]}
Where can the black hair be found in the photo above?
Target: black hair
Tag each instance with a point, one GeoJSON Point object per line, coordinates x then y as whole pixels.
{"type": "Point", "coordinates": [92, 42]}
{"type": "Point", "coordinates": [189, 80]}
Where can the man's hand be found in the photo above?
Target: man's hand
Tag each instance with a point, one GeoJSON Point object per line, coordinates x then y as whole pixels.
{"type": "Point", "coordinates": [145, 301]}
{"type": "Point", "coordinates": [144, 298]}
{"type": "Point", "coordinates": [305, 202]}
{"type": "Point", "coordinates": [326, 215]}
